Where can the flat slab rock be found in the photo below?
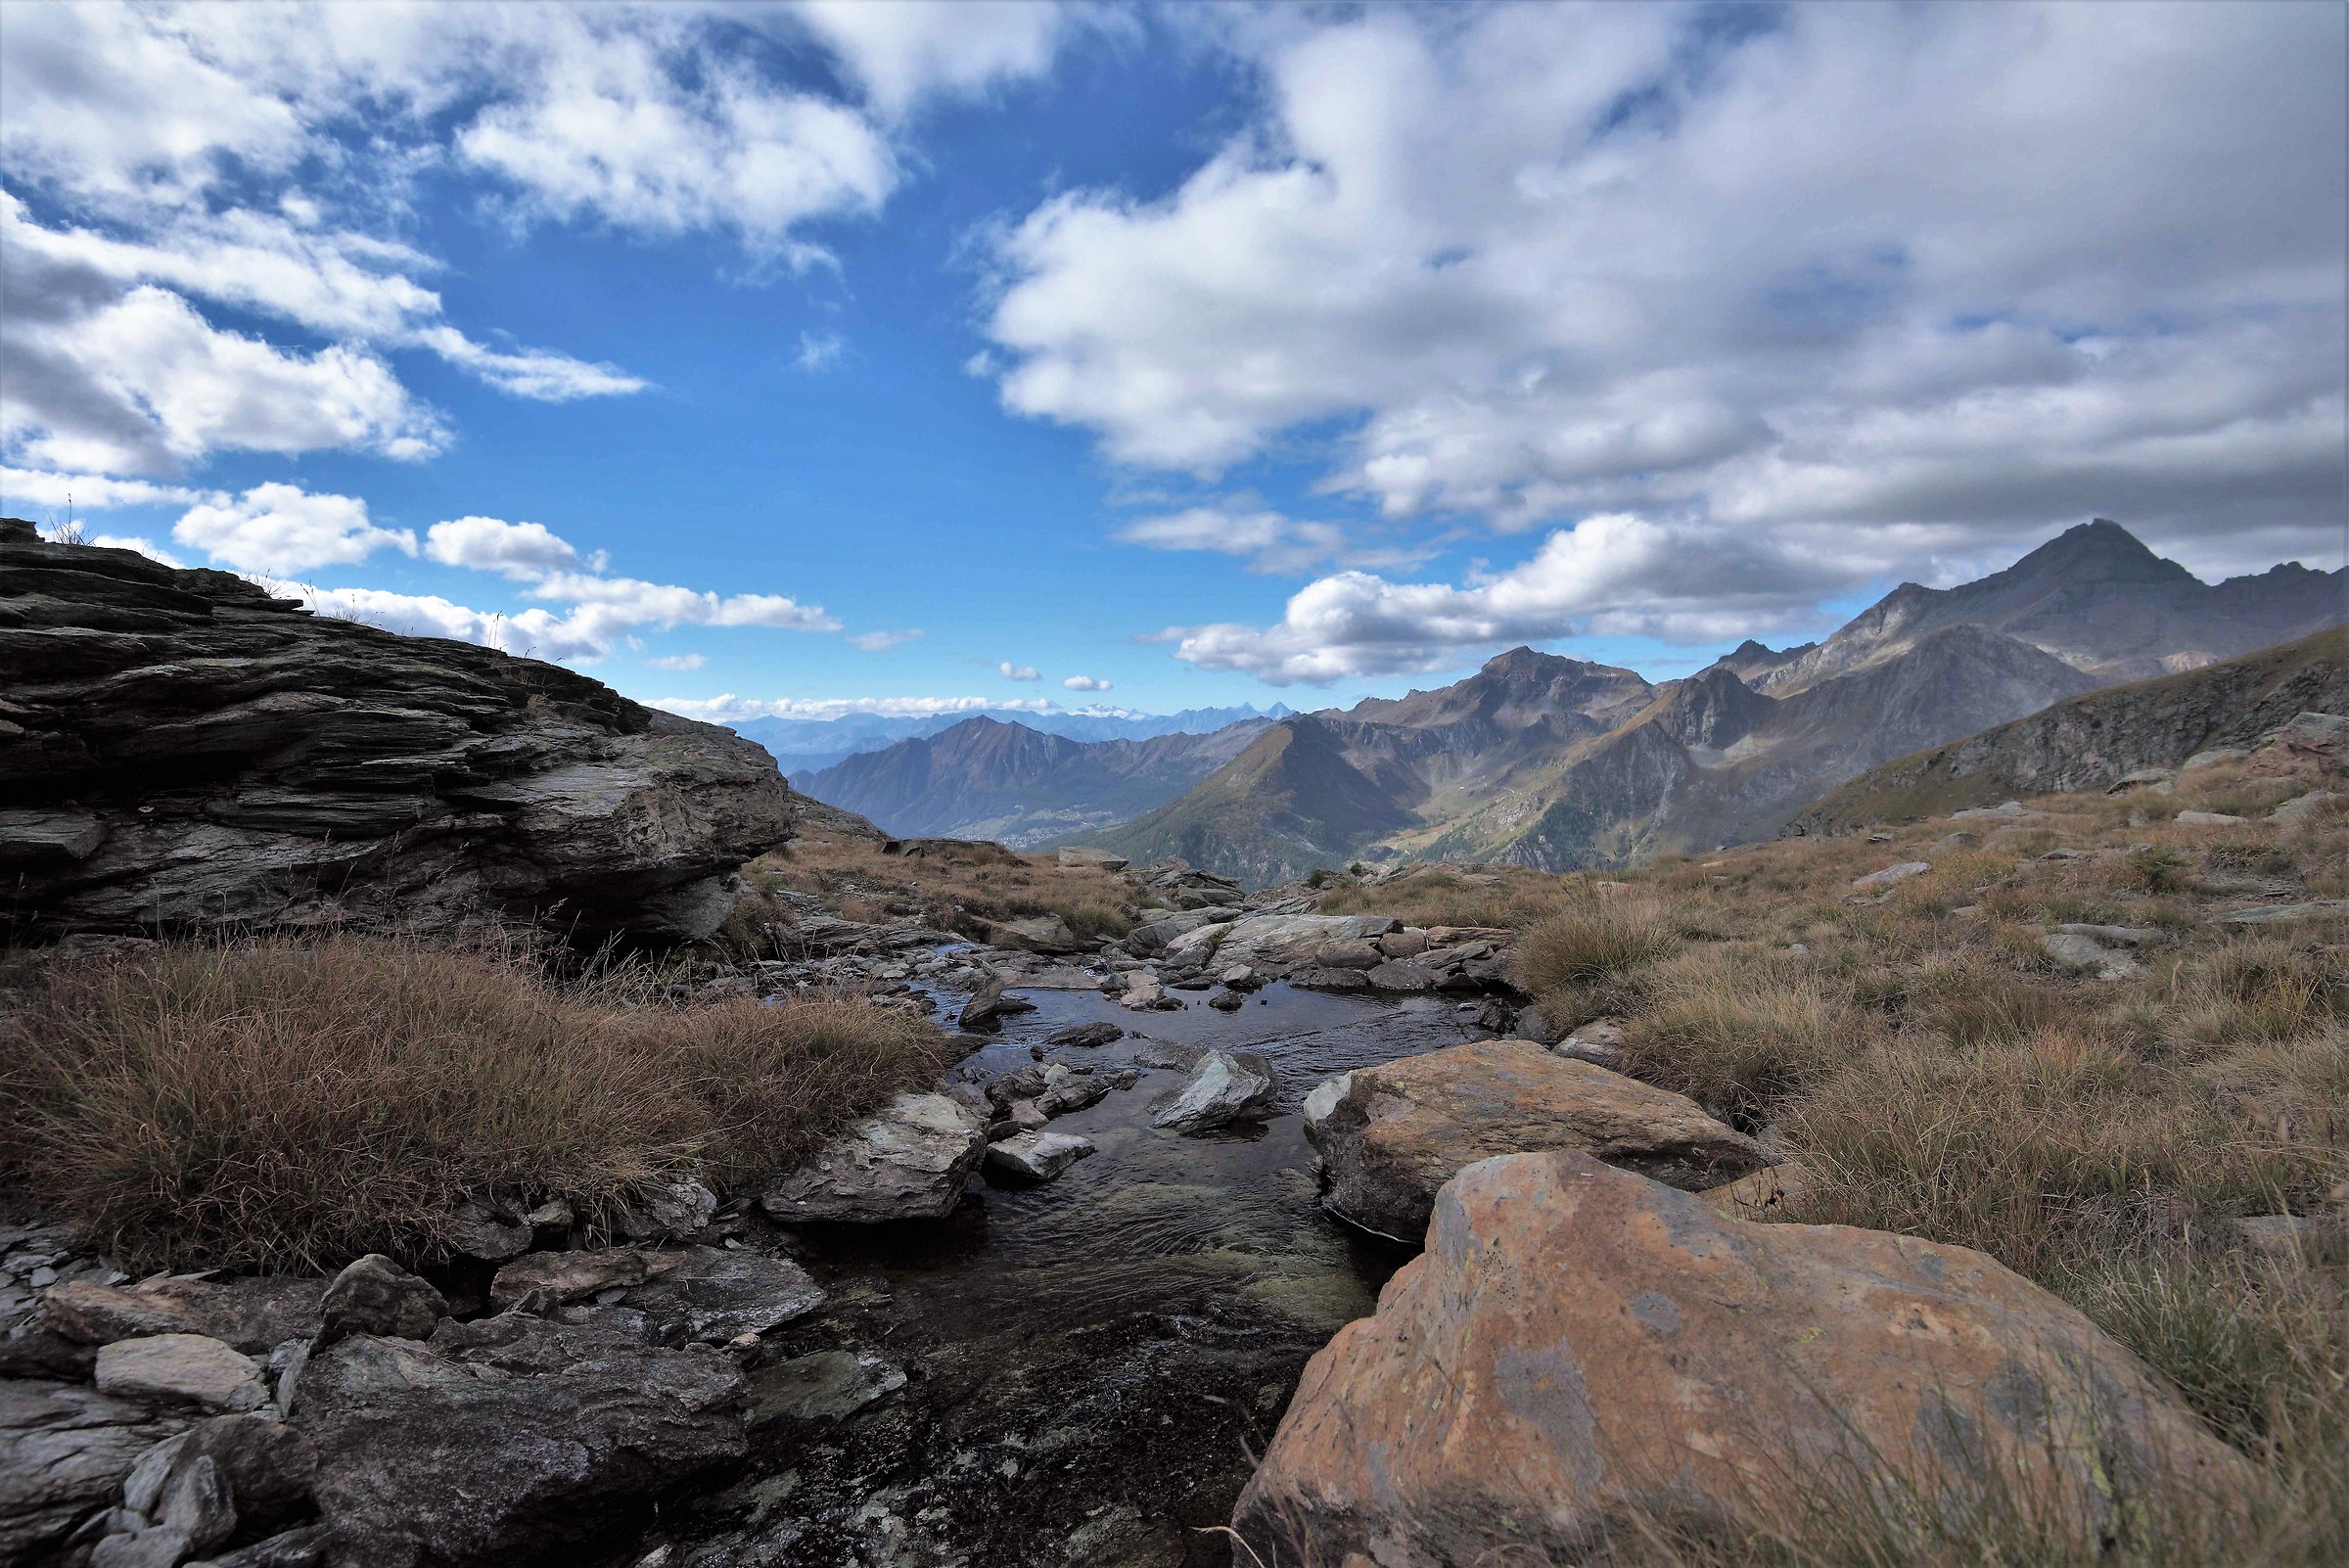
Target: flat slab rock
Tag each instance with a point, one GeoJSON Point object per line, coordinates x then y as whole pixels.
{"type": "Point", "coordinates": [1577, 1341]}
{"type": "Point", "coordinates": [64, 1452]}
{"type": "Point", "coordinates": [1400, 1130]}
{"type": "Point", "coordinates": [911, 1162]}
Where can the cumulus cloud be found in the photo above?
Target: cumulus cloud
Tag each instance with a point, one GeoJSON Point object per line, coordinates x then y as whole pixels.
{"type": "Point", "coordinates": [1085, 683]}
{"type": "Point", "coordinates": [281, 528]}
{"type": "Point", "coordinates": [1012, 671]}
{"type": "Point", "coordinates": [138, 542]}
{"type": "Point", "coordinates": [519, 550]}
{"type": "Point", "coordinates": [678, 661]}
{"type": "Point", "coordinates": [89, 493]}
{"type": "Point", "coordinates": [1893, 282]}
{"type": "Point", "coordinates": [903, 52]}
{"type": "Point", "coordinates": [882, 641]}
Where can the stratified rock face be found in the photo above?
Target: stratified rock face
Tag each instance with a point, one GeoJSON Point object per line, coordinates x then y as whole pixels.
{"type": "Point", "coordinates": [1398, 1132]}
{"type": "Point", "coordinates": [908, 1163]}
{"type": "Point", "coordinates": [178, 748]}
{"type": "Point", "coordinates": [1578, 1342]}
{"type": "Point", "coordinates": [436, 1458]}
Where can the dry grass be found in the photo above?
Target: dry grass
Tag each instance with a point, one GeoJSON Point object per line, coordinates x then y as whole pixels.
{"type": "Point", "coordinates": [1940, 1073]}
{"type": "Point", "coordinates": [1455, 895]}
{"type": "Point", "coordinates": [962, 888]}
{"type": "Point", "coordinates": [288, 1104]}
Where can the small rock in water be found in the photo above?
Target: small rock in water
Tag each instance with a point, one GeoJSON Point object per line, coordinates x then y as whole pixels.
{"type": "Point", "coordinates": [1227, 1001]}
{"type": "Point", "coordinates": [1039, 1156]}
{"type": "Point", "coordinates": [1223, 1087]}
{"type": "Point", "coordinates": [909, 1162]}
{"type": "Point", "coordinates": [1102, 1034]}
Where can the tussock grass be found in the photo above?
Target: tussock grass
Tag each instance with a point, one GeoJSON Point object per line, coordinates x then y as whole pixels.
{"type": "Point", "coordinates": [964, 889]}
{"type": "Point", "coordinates": [290, 1103]}
{"type": "Point", "coordinates": [1737, 1035]}
{"type": "Point", "coordinates": [1506, 896]}
{"type": "Point", "coordinates": [1594, 940]}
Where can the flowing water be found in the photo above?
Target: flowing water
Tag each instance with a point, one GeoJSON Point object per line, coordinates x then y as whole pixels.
{"type": "Point", "coordinates": [1088, 1364]}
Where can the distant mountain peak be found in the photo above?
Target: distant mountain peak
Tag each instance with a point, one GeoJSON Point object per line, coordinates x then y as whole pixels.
{"type": "Point", "coordinates": [2100, 551]}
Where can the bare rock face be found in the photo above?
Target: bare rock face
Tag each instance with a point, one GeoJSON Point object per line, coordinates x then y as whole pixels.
{"type": "Point", "coordinates": [179, 748]}
{"type": "Point", "coordinates": [513, 1450]}
{"type": "Point", "coordinates": [908, 1163]}
{"type": "Point", "coordinates": [1399, 1131]}
{"type": "Point", "coordinates": [1578, 1342]}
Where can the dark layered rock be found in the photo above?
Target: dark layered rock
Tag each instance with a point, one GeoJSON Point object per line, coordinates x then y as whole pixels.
{"type": "Point", "coordinates": [179, 748]}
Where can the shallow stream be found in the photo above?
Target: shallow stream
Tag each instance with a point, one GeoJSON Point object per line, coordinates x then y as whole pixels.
{"type": "Point", "coordinates": [1087, 1365]}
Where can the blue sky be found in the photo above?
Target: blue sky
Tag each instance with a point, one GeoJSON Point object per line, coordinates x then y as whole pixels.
{"type": "Point", "coordinates": [1217, 354]}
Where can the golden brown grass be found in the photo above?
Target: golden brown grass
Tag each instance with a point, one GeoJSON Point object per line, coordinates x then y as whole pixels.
{"type": "Point", "coordinates": [288, 1103]}
{"type": "Point", "coordinates": [1938, 1074]}
{"type": "Point", "coordinates": [963, 889]}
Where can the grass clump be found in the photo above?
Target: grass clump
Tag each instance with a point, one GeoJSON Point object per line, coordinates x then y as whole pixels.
{"type": "Point", "coordinates": [288, 1103]}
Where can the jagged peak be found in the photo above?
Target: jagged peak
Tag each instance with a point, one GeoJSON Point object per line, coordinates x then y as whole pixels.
{"type": "Point", "coordinates": [2099, 548]}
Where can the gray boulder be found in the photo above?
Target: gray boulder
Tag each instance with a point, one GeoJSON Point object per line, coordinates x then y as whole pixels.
{"type": "Point", "coordinates": [1223, 1087]}
{"type": "Point", "coordinates": [909, 1162]}
{"type": "Point", "coordinates": [373, 1295]}
{"type": "Point", "coordinates": [230, 756]}
{"type": "Point", "coordinates": [1037, 1156]}
{"type": "Point", "coordinates": [711, 1295]}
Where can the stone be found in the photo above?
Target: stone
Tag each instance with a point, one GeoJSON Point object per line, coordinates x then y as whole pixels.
{"type": "Point", "coordinates": [1495, 1017]}
{"type": "Point", "coordinates": [189, 1368]}
{"type": "Point", "coordinates": [1317, 977]}
{"type": "Point", "coordinates": [1346, 955]}
{"type": "Point", "coordinates": [1223, 1087]}
{"type": "Point", "coordinates": [2207, 820]}
{"type": "Point", "coordinates": [569, 1277]}
{"type": "Point", "coordinates": [1409, 942]}
{"type": "Point", "coordinates": [1400, 979]}
{"type": "Point", "coordinates": [1890, 876]}
{"type": "Point", "coordinates": [1763, 1192]}
{"type": "Point", "coordinates": [987, 1004]}
{"type": "Point", "coordinates": [474, 1231]}
{"type": "Point", "coordinates": [1073, 1094]}
{"type": "Point", "coordinates": [1323, 1098]}
{"type": "Point", "coordinates": [2118, 936]}
{"type": "Point", "coordinates": [672, 1211]}
{"type": "Point", "coordinates": [909, 1162]}
{"type": "Point", "coordinates": [65, 1450]}
{"type": "Point", "coordinates": [710, 1295]}
{"type": "Point", "coordinates": [1599, 1041]}
{"type": "Point", "coordinates": [2300, 808]}
{"type": "Point", "coordinates": [1146, 996]}
{"type": "Point", "coordinates": [304, 1547]}
{"type": "Point", "coordinates": [1198, 945]}
{"type": "Point", "coordinates": [195, 1503]}
{"type": "Point", "coordinates": [1081, 855]}
{"type": "Point", "coordinates": [1060, 977]}
{"type": "Point", "coordinates": [1227, 1001]}
{"type": "Point", "coordinates": [237, 759]}
{"type": "Point", "coordinates": [144, 1548]}
{"type": "Point", "coordinates": [2285, 913]}
{"type": "Point", "coordinates": [1102, 1034]}
{"type": "Point", "coordinates": [256, 1313]}
{"type": "Point", "coordinates": [1405, 1128]}
{"type": "Point", "coordinates": [1240, 977]}
{"type": "Point", "coordinates": [1037, 1156]}
{"type": "Point", "coordinates": [819, 1389]}
{"type": "Point", "coordinates": [1150, 938]}
{"type": "Point", "coordinates": [373, 1295]}
{"type": "Point", "coordinates": [2295, 1238]}
{"type": "Point", "coordinates": [91, 1313]}
{"type": "Point", "coordinates": [263, 1468]}
{"type": "Point", "coordinates": [2010, 811]}
{"type": "Point", "coordinates": [1046, 934]}
{"type": "Point", "coordinates": [421, 1456]}
{"type": "Point", "coordinates": [1579, 1344]}
{"type": "Point", "coordinates": [2085, 952]}
{"type": "Point", "coordinates": [1268, 939]}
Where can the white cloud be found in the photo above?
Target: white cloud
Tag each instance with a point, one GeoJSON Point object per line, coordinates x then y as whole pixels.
{"type": "Point", "coordinates": [138, 542]}
{"type": "Point", "coordinates": [729, 708]}
{"type": "Point", "coordinates": [90, 492]}
{"type": "Point", "coordinates": [1012, 671]}
{"type": "Point", "coordinates": [910, 49]}
{"type": "Point", "coordinates": [1876, 279]}
{"type": "Point", "coordinates": [520, 550]}
{"type": "Point", "coordinates": [678, 661]}
{"type": "Point", "coordinates": [882, 641]}
{"type": "Point", "coordinates": [277, 529]}
{"type": "Point", "coordinates": [819, 352]}
{"type": "Point", "coordinates": [627, 601]}
{"type": "Point", "coordinates": [1269, 542]}
{"type": "Point", "coordinates": [1085, 683]}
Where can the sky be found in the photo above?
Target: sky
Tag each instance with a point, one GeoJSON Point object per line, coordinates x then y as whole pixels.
{"type": "Point", "coordinates": [886, 356]}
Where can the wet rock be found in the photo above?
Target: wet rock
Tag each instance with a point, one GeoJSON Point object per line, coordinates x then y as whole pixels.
{"type": "Point", "coordinates": [1496, 1016]}
{"type": "Point", "coordinates": [1037, 1156]}
{"type": "Point", "coordinates": [1579, 1343]}
{"type": "Point", "coordinates": [711, 1295]}
{"type": "Point", "coordinates": [373, 1295]}
{"type": "Point", "coordinates": [1240, 977]}
{"type": "Point", "coordinates": [1324, 1098]}
{"type": "Point", "coordinates": [1061, 977]}
{"type": "Point", "coordinates": [815, 1390]}
{"type": "Point", "coordinates": [991, 1002]}
{"type": "Point", "coordinates": [1150, 938]}
{"type": "Point", "coordinates": [909, 1162]}
{"type": "Point", "coordinates": [64, 1451]}
{"type": "Point", "coordinates": [1225, 1087]}
{"type": "Point", "coordinates": [1890, 876]}
{"type": "Point", "coordinates": [1318, 977]}
{"type": "Point", "coordinates": [1102, 1034]}
{"type": "Point", "coordinates": [2085, 952]}
{"type": "Point", "coordinates": [1405, 1128]}
{"type": "Point", "coordinates": [420, 1457]}
{"type": "Point", "coordinates": [1073, 1094]}
{"type": "Point", "coordinates": [1227, 1001]}
{"type": "Point", "coordinates": [569, 1277]}
{"type": "Point", "coordinates": [187, 1368]}
{"type": "Point", "coordinates": [1145, 995]}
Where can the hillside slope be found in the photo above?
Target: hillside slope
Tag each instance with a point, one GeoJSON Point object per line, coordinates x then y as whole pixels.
{"type": "Point", "coordinates": [2090, 741]}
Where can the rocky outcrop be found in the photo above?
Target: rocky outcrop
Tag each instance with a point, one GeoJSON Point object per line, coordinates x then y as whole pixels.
{"type": "Point", "coordinates": [513, 1440]}
{"type": "Point", "coordinates": [182, 749]}
{"type": "Point", "coordinates": [1580, 1345]}
{"type": "Point", "coordinates": [908, 1163]}
{"type": "Point", "coordinates": [1396, 1132]}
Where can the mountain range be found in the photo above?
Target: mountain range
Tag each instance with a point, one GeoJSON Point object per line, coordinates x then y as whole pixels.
{"type": "Point", "coordinates": [1555, 763]}
{"type": "Point", "coordinates": [809, 745]}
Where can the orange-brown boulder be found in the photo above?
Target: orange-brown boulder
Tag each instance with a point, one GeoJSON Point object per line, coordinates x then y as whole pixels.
{"type": "Point", "coordinates": [1580, 1345]}
{"type": "Point", "coordinates": [1402, 1130]}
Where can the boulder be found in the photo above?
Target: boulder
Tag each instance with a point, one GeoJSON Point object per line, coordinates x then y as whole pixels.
{"type": "Point", "coordinates": [1404, 1127]}
{"type": "Point", "coordinates": [666, 1211]}
{"type": "Point", "coordinates": [235, 758]}
{"type": "Point", "coordinates": [254, 1313]}
{"type": "Point", "coordinates": [1890, 876]}
{"type": "Point", "coordinates": [2207, 820]}
{"type": "Point", "coordinates": [1196, 946]}
{"type": "Point", "coordinates": [1146, 996]}
{"type": "Point", "coordinates": [1281, 939]}
{"type": "Point", "coordinates": [1579, 1344]}
{"type": "Point", "coordinates": [1599, 1041]}
{"type": "Point", "coordinates": [1227, 1001]}
{"type": "Point", "coordinates": [1223, 1087]}
{"type": "Point", "coordinates": [2078, 951]}
{"type": "Point", "coordinates": [1344, 956]}
{"type": "Point", "coordinates": [64, 1451]}
{"type": "Point", "coordinates": [909, 1162]}
{"type": "Point", "coordinates": [819, 1389]}
{"type": "Point", "coordinates": [1046, 934]}
{"type": "Point", "coordinates": [711, 1295]}
{"type": "Point", "coordinates": [1151, 936]}
{"type": "Point", "coordinates": [90, 1313]}
{"type": "Point", "coordinates": [185, 1369]}
{"type": "Point", "coordinates": [1400, 979]}
{"type": "Point", "coordinates": [373, 1295]}
{"type": "Point", "coordinates": [485, 1235]}
{"type": "Point", "coordinates": [569, 1277]}
{"type": "Point", "coordinates": [991, 1002]}
{"type": "Point", "coordinates": [1037, 1156]}
{"type": "Point", "coordinates": [1102, 1034]}
{"type": "Point", "coordinates": [421, 1458]}
{"type": "Point", "coordinates": [1409, 942]}
{"type": "Point", "coordinates": [1317, 976]}
{"type": "Point", "coordinates": [1081, 855]}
